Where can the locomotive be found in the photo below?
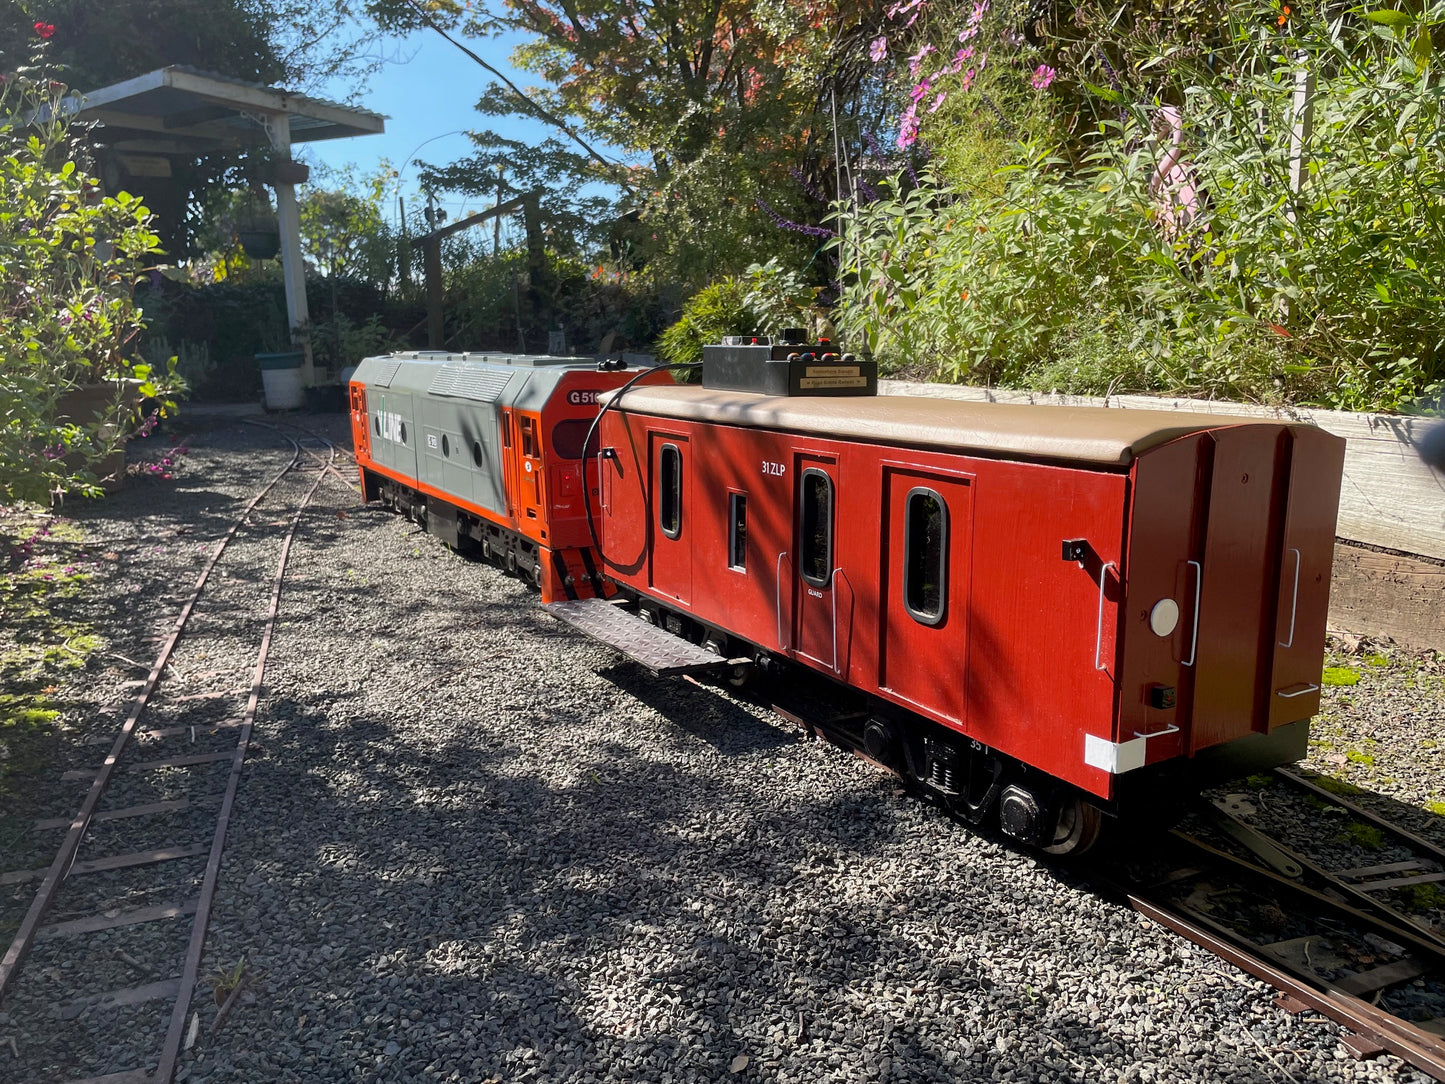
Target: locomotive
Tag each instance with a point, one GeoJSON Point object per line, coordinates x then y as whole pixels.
{"type": "Point", "coordinates": [485, 452]}
{"type": "Point", "coordinates": [1046, 615]}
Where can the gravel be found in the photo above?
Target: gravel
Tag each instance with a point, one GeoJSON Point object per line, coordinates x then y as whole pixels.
{"type": "Point", "coordinates": [476, 847]}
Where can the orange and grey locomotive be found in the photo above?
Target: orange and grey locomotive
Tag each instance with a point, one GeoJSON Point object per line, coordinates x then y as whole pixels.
{"type": "Point", "coordinates": [485, 452]}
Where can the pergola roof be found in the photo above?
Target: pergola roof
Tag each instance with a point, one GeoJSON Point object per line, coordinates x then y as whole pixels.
{"type": "Point", "coordinates": [179, 110]}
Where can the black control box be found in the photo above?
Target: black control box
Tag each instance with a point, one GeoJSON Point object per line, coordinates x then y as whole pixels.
{"type": "Point", "coordinates": [789, 365]}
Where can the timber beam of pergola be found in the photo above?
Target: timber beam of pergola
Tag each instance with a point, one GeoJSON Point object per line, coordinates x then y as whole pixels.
{"type": "Point", "coordinates": [431, 248]}
{"type": "Point", "coordinates": [180, 112]}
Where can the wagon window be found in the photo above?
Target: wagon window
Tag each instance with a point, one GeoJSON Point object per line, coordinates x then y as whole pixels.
{"type": "Point", "coordinates": [925, 556]}
{"type": "Point", "coordinates": [738, 531]}
{"type": "Point", "coordinates": [529, 438]}
{"type": "Point", "coordinates": [669, 505]}
{"type": "Point", "coordinates": [815, 547]}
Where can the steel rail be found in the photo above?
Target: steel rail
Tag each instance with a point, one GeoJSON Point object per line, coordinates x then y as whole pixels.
{"type": "Point", "coordinates": [59, 868]}
{"type": "Point", "coordinates": [1399, 1037]}
{"type": "Point", "coordinates": [176, 1031]}
{"type": "Point", "coordinates": [328, 465]}
{"type": "Point", "coordinates": [1434, 850]}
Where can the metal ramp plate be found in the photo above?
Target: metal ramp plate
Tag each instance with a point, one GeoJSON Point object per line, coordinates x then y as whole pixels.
{"type": "Point", "coordinates": [655, 648]}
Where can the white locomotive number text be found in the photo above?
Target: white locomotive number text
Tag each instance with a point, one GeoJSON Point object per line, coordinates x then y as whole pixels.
{"type": "Point", "coordinates": [778, 469]}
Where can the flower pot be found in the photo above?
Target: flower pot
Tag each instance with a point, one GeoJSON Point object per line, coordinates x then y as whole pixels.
{"type": "Point", "coordinates": [259, 244]}
{"type": "Point", "coordinates": [281, 378]}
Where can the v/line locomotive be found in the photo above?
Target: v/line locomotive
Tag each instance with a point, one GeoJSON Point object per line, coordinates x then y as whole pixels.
{"type": "Point", "coordinates": [1045, 614]}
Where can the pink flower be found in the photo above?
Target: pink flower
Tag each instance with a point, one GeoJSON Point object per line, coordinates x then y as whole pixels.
{"type": "Point", "coordinates": [45, 30]}
{"type": "Point", "coordinates": [908, 130]}
{"type": "Point", "coordinates": [938, 101]}
{"type": "Point", "coordinates": [968, 79]}
{"type": "Point", "coordinates": [879, 49]}
{"type": "Point", "coordinates": [1043, 76]}
{"type": "Point", "coordinates": [916, 60]}
{"type": "Point", "coordinates": [920, 91]}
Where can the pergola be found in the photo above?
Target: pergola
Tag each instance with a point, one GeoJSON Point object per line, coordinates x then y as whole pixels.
{"type": "Point", "coordinates": [181, 112]}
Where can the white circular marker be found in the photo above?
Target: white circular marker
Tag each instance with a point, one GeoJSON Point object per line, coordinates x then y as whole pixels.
{"type": "Point", "coordinates": [1164, 617]}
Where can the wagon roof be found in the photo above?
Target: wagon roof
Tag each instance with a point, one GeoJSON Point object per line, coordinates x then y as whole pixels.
{"type": "Point", "coordinates": [1078, 434]}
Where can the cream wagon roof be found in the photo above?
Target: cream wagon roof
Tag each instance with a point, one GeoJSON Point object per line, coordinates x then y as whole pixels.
{"type": "Point", "coordinates": [1088, 434]}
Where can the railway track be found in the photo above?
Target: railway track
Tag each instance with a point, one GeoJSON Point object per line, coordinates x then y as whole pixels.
{"type": "Point", "coordinates": [1340, 939]}
{"type": "Point", "coordinates": [128, 893]}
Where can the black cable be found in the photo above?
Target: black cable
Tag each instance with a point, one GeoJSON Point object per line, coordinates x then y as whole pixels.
{"type": "Point", "coordinates": [587, 452]}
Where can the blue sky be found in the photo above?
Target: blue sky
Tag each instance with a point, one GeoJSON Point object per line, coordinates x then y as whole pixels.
{"type": "Point", "coordinates": [428, 96]}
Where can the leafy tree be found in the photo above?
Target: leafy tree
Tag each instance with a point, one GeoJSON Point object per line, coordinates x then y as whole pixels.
{"type": "Point", "coordinates": [717, 106]}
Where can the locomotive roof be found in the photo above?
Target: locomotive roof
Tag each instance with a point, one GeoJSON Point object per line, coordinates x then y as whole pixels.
{"type": "Point", "coordinates": [511, 380]}
{"type": "Point", "coordinates": [1078, 434]}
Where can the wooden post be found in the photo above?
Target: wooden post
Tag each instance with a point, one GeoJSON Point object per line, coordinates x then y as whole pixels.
{"type": "Point", "coordinates": [293, 269]}
{"type": "Point", "coordinates": [431, 247]}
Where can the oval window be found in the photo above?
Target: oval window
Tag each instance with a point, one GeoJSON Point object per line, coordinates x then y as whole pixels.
{"type": "Point", "coordinates": [401, 429]}
{"type": "Point", "coordinates": [377, 422]}
{"type": "Point", "coordinates": [446, 446]}
{"type": "Point", "coordinates": [477, 452]}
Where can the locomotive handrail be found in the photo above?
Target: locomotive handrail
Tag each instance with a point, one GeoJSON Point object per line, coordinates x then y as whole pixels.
{"type": "Point", "coordinates": [1294, 603]}
{"type": "Point", "coordinates": [778, 599]}
{"type": "Point", "coordinates": [1171, 729]}
{"type": "Point", "coordinates": [1099, 629]}
{"type": "Point", "coordinates": [1198, 584]}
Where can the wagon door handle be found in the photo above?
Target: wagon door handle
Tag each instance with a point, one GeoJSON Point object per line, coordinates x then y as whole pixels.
{"type": "Point", "coordinates": [1099, 629]}
{"type": "Point", "coordinates": [778, 598]}
{"type": "Point", "coordinates": [1294, 603]}
{"type": "Point", "coordinates": [1198, 584]}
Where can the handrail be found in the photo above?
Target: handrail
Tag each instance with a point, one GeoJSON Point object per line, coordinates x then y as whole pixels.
{"type": "Point", "coordinates": [1099, 629]}
{"type": "Point", "coordinates": [1198, 584]}
{"type": "Point", "coordinates": [778, 599]}
{"type": "Point", "coordinates": [1294, 605]}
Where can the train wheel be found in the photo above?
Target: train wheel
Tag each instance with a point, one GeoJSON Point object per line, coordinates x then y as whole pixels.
{"type": "Point", "coordinates": [512, 561]}
{"type": "Point", "coordinates": [486, 549]}
{"type": "Point", "coordinates": [1078, 829]}
{"type": "Point", "coordinates": [537, 574]}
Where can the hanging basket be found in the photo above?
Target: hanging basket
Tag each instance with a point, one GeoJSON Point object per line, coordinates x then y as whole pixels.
{"type": "Point", "coordinates": [260, 245]}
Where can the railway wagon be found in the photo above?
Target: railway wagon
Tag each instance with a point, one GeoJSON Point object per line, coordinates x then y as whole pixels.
{"type": "Point", "coordinates": [485, 451]}
{"type": "Point", "coordinates": [1053, 614]}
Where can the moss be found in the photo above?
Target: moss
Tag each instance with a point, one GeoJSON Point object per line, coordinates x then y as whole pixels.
{"type": "Point", "coordinates": [1336, 786]}
{"type": "Point", "coordinates": [1261, 781]}
{"type": "Point", "coordinates": [1426, 897]}
{"type": "Point", "coordinates": [1340, 675]}
{"type": "Point", "coordinates": [1364, 835]}
{"type": "Point", "coordinates": [1438, 808]}
{"type": "Point", "coordinates": [1376, 660]}
{"type": "Point", "coordinates": [1354, 756]}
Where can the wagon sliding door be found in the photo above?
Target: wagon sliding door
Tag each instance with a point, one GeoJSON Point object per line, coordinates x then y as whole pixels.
{"type": "Point", "coordinates": [820, 631]}
{"type": "Point", "coordinates": [925, 561]}
{"type": "Point", "coordinates": [670, 516]}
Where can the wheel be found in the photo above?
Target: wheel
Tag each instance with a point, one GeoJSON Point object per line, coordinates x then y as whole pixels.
{"type": "Point", "coordinates": [486, 549]}
{"type": "Point", "coordinates": [1078, 828]}
{"type": "Point", "coordinates": [537, 574]}
{"type": "Point", "coordinates": [511, 562]}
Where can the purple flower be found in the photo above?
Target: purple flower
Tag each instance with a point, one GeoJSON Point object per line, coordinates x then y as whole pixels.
{"type": "Point", "coordinates": [796, 227]}
{"type": "Point", "coordinates": [1043, 76]}
{"type": "Point", "coordinates": [879, 49]}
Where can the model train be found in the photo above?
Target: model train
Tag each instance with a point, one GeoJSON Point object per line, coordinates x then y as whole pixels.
{"type": "Point", "coordinates": [1045, 614]}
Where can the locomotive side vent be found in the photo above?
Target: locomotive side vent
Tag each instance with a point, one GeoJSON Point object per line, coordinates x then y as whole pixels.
{"type": "Point", "coordinates": [788, 365]}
